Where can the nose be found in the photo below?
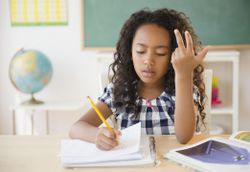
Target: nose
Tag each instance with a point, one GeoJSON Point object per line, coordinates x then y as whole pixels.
{"type": "Point", "coordinates": [149, 62]}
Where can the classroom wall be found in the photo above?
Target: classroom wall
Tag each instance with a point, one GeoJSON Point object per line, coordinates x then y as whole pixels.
{"type": "Point", "coordinates": [75, 71]}
{"type": "Point", "coordinates": [74, 74]}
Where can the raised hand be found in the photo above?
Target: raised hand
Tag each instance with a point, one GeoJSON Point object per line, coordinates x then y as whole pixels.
{"type": "Point", "coordinates": [183, 58]}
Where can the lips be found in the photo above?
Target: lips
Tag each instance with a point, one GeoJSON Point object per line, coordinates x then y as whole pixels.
{"type": "Point", "coordinates": [148, 73]}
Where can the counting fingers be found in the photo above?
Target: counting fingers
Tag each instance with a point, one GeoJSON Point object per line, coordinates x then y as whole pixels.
{"type": "Point", "coordinates": [189, 41]}
{"type": "Point", "coordinates": [179, 39]}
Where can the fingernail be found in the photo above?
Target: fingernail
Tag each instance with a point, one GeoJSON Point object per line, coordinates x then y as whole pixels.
{"type": "Point", "coordinates": [175, 31]}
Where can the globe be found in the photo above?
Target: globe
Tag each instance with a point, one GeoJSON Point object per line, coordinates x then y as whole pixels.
{"type": "Point", "coordinates": [30, 71]}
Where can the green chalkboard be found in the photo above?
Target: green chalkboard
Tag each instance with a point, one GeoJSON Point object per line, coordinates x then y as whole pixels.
{"type": "Point", "coordinates": [217, 22]}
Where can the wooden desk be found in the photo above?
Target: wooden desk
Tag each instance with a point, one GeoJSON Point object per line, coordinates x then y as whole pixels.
{"type": "Point", "coordinates": [40, 153]}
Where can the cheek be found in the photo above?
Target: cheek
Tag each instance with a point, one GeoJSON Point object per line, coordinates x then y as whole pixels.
{"type": "Point", "coordinates": [164, 65]}
{"type": "Point", "coordinates": [134, 59]}
{"type": "Point", "coordinates": [137, 60]}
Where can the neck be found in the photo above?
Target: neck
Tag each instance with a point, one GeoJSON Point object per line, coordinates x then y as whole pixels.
{"type": "Point", "coordinates": [150, 91]}
{"type": "Point", "coordinates": [158, 85]}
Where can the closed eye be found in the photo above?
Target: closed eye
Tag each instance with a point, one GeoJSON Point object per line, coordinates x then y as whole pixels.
{"type": "Point", "coordinates": [140, 52]}
{"type": "Point", "coordinates": [161, 54]}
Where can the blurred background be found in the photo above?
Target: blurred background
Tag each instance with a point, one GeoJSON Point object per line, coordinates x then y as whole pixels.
{"type": "Point", "coordinates": [76, 69]}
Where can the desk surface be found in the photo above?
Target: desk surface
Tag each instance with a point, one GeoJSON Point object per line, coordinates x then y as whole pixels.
{"type": "Point", "coordinates": [40, 153]}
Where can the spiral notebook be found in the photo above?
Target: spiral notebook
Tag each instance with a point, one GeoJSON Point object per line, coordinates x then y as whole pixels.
{"type": "Point", "coordinates": [133, 150]}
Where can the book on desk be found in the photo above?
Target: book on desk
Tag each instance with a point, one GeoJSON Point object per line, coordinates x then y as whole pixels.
{"type": "Point", "coordinates": [215, 154]}
{"type": "Point", "coordinates": [133, 150]}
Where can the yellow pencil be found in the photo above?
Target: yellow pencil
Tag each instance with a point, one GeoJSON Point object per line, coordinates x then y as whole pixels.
{"type": "Point", "coordinates": [99, 114]}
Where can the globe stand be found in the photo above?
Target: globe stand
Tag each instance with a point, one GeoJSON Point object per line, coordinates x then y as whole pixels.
{"type": "Point", "coordinates": [32, 101]}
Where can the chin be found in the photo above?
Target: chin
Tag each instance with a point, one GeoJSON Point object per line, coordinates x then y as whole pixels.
{"type": "Point", "coordinates": [148, 80]}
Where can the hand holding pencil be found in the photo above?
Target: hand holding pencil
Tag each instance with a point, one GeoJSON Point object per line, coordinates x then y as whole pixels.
{"type": "Point", "coordinates": [107, 140]}
{"type": "Point", "coordinates": [106, 137]}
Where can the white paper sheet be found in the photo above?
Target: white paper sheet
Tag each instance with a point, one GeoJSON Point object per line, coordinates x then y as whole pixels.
{"type": "Point", "coordinates": [78, 151]}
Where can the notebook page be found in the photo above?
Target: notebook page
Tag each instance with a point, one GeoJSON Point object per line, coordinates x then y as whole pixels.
{"type": "Point", "coordinates": [86, 160]}
{"type": "Point", "coordinates": [129, 144]}
{"type": "Point", "coordinates": [145, 158]}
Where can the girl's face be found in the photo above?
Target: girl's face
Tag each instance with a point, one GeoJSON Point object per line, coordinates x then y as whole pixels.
{"type": "Point", "coordinates": [151, 53]}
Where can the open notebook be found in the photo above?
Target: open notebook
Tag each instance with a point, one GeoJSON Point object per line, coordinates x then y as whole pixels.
{"type": "Point", "coordinates": [132, 151]}
{"type": "Point", "coordinates": [215, 154]}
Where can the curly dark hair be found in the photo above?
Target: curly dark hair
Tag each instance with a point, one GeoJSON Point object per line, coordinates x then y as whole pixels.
{"type": "Point", "coordinates": [124, 76]}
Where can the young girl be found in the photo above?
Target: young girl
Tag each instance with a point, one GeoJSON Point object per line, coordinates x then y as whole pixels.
{"type": "Point", "coordinates": [156, 80]}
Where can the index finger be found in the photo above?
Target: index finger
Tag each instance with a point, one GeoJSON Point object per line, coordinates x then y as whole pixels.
{"type": "Point", "coordinates": [179, 39]}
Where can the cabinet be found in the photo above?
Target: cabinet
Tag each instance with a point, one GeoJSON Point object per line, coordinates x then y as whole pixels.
{"type": "Point", "coordinates": [47, 107]}
{"type": "Point", "coordinates": [225, 65]}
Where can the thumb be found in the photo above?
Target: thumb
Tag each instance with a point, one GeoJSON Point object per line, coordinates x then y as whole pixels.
{"type": "Point", "coordinates": [202, 54]}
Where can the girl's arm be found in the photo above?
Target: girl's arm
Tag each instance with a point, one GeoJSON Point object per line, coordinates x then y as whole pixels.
{"type": "Point", "coordinates": [184, 62]}
{"type": "Point", "coordinates": [185, 118]}
{"type": "Point", "coordinates": [86, 128]}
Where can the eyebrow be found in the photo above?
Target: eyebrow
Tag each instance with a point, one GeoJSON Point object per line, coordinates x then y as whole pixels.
{"type": "Point", "coordinates": [158, 46]}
